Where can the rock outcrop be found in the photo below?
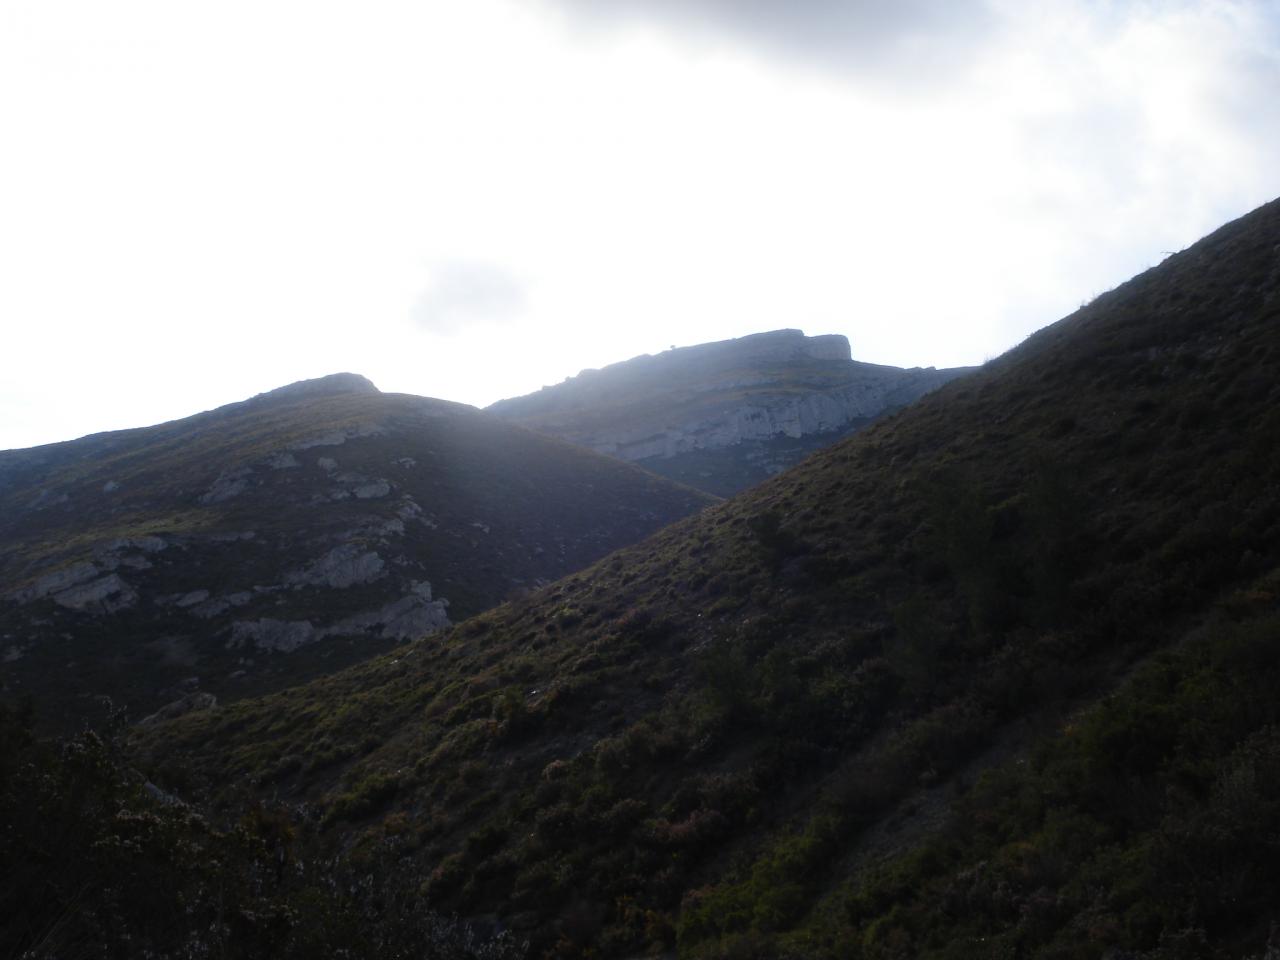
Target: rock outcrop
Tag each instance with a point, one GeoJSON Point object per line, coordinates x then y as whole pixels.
{"type": "Point", "coordinates": [272, 636]}
{"type": "Point", "coordinates": [748, 395]}
{"type": "Point", "coordinates": [341, 567]}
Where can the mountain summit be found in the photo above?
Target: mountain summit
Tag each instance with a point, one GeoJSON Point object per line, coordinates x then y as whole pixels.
{"type": "Point", "coordinates": [275, 538]}
{"type": "Point", "coordinates": [320, 386]}
{"type": "Point", "coordinates": [723, 416]}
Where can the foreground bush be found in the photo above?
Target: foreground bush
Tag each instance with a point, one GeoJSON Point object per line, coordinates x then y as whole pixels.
{"type": "Point", "coordinates": [100, 863]}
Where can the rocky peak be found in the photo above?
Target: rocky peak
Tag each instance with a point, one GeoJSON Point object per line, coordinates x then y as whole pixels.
{"type": "Point", "coordinates": [747, 394]}
{"type": "Point", "coordinates": [786, 346]}
{"type": "Point", "coordinates": [334, 383]}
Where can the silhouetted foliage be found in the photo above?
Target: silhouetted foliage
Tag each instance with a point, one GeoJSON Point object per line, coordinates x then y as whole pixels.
{"type": "Point", "coordinates": [100, 863]}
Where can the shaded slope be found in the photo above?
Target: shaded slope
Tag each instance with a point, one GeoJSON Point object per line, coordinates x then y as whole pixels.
{"type": "Point", "coordinates": [692, 742]}
{"type": "Point", "coordinates": [257, 544]}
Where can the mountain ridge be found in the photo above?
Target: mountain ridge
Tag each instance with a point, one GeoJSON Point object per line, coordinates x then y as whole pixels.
{"type": "Point", "coordinates": [685, 745]}
{"type": "Point", "coordinates": [723, 415]}
{"type": "Point", "coordinates": [269, 539]}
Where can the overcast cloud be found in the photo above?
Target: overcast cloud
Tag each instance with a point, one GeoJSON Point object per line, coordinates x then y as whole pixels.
{"type": "Point", "coordinates": [470, 200]}
{"type": "Point", "coordinates": [914, 41]}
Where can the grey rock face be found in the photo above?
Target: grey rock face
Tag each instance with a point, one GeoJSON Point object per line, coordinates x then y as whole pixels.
{"type": "Point", "coordinates": [336, 438]}
{"type": "Point", "coordinates": [283, 461]}
{"type": "Point", "coordinates": [409, 509]}
{"type": "Point", "coordinates": [358, 486]}
{"type": "Point", "coordinates": [229, 484]}
{"type": "Point", "coordinates": [342, 566]}
{"type": "Point", "coordinates": [104, 595]}
{"type": "Point", "coordinates": [782, 415]}
{"type": "Point", "coordinates": [268, 635]}
{"type": "Point", "coordinates": [371, 490]}
{"type": "Point", "coordinates": [412, 616]}
{"type": "Point", "coordinates": [717, 395]}
{"type": "Point", "coordinates": [59, 580]}
{"type": "Point", "coordinates": [82, 586]}
{"type": "Point", "coordinates": [388, 528]}
{"type": "Point", "coordinates": [209, 609]}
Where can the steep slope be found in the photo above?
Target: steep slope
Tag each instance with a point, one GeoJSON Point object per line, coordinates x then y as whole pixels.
{"type": "Point", "coordinates": [723, 416]}
{"type": "Point", "coordinates": [749, 735]}
{"type": "Point", "coordinates": [263, 542]}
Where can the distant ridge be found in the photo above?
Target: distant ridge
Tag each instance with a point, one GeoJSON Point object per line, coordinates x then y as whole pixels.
{"type": "Point", "coordinates": [722, 416]}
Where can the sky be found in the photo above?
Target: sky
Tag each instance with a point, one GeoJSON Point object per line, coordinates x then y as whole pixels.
{"type": "Point", "coordinates": [469, 199]}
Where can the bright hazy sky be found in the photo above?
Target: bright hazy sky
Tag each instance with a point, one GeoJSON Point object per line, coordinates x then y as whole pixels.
{"type": "Point", "coordinates": [469, 199]}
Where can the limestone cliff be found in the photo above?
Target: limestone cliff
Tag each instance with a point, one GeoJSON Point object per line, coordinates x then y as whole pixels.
{"type": "Point", "coordinates": [765, 399]}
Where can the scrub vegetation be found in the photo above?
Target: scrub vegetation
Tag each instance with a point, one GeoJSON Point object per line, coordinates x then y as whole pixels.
{"type": "Point", "coordinates": [240, 496]}
{"type": "Point", "coordinates": [993, 677]}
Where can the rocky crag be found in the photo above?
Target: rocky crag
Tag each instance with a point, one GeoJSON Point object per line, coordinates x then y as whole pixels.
{"type": "Point", "coordinates": [723, 416]}
{"type": "Point", "coordinates": [270, 540]}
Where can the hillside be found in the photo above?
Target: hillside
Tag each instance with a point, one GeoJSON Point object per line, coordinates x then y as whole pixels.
{"type": "Point", "coordinates": [242, 549]}
{"type": "Point", "coordinates": [745, 734]}
{"type": "Point", "coordinates": [723, 416]}
{"type": "Point", "coordinates": [993, 677]}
